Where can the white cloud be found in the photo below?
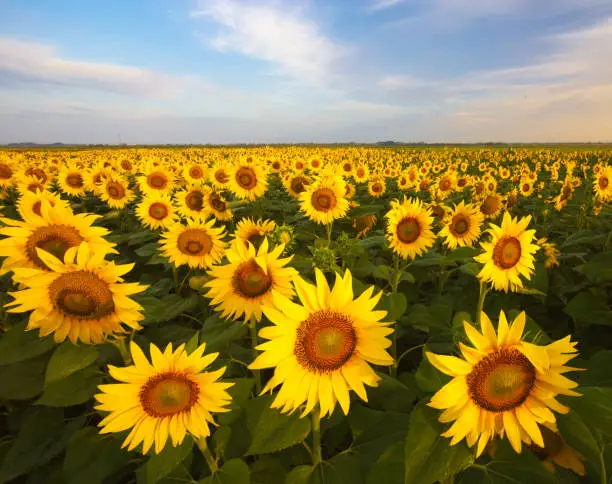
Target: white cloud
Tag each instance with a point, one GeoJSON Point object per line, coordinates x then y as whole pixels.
{"type": "Point", "coordinates": [281, 34]}
{"type": "Point", "coordinates": [384, 4]}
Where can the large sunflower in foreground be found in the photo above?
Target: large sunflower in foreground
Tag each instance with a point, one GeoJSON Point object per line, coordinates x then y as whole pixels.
{"type": "Point", "coordinates": [463, 228]}
{"type": "Point", "coordinates": [325, 201]}
{"type": "Point", "coordinates": [197, 244]}
{"type": "Point", "coordinates": [503, 385]}
{"type": "Point", "coordinates": [321, 349]}
{"type": "Point", "coordinates": [250, 280]}
{"type": "Point", "coordinates": [509, 254]}
{"type": "Point", "coordinates": [56, 230]}
{"type": "Point", "coordinates": [409, 228]}
{"type": "Point", "coordinates": [248, 180]}
{"type": "Point", "coordinates": [162, 400]}
{"type": "Point", "coordinates": [82, 298]}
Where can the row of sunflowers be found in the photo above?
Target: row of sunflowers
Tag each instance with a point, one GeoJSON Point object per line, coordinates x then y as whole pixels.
{"type": "Point", "coordinates": [302, 315]}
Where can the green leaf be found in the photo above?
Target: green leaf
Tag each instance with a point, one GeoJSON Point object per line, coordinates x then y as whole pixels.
{"type": "Point", "coordinates": [219, 333]}
{"type": "Point", "coordinates": [268, 470]}
{"type": "Point", "coordinates": [234, 471]}
{"type": "Point", "coordinates": [75, 389]}
{"type": "Point", "coordinates": [193, 343]}
{"type": "Point", "coordinates": [23, 380]}
{"type": "Point", "coordinates": [373, 241]}
{"type": "Point", "coordinates": [463, 253]}
{"type": "Point", "coordinates": [391, 394]}
{"type": "Point", "coordinates": [599, 370]}
{"type": "Point", "coordinates": [395, 305]}
{"type": "Point", "coordinates": [17, 344]}
{"type": "Point", "coordinates": [147, 250]}
{"type": "Point", "coordinates": [579, 436]}
{"type": "Point", "coordinates": [300, 475]}
{"type": "Point", "coordinates": [68, 359]}
{"type": "Point", "coordinates": [595, 408]}
{"type": "Point", "coordinates": [160, 465]}
{"type": "Point", "coordinates": [158, 310]}
{"type": "Point", "coordinates": [389, 468]}
{"type": "Point", "coordinates": [590, 307]}
{"type": "Point", "coordinates": [91, 457]}
{"type": "Point", "coordinates": [583, 237]}
{"type": "Point", "coordinates": [599, 266]}
{"type": "Point", "coordinates": [42, 436]}
{"type": "Point", "coordinates": [271, 430]}
{"type": "Point", "coordinates": [471, 268]}
{"type": "Point", "coordinates": [428, 378]}
{"type": "Point", "coordinates": [428, 455]}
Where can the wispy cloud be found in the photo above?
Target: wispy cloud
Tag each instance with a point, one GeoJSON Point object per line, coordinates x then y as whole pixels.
{"type": "Point", "coordinates": [384, 4]}
{"type": "Point", "coordinates": [275, 32]}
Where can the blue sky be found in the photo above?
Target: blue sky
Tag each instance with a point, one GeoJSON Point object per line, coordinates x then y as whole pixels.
{"type": "Point", "coordinates": [230, 71]}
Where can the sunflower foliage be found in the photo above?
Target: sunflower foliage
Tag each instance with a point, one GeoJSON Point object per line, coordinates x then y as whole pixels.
{"type": "Point", "coordinates": [306, 315]}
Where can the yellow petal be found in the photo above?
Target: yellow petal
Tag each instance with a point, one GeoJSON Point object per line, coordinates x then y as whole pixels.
{"type": "Point", "coordinates": [449, 365]}
{"type": "Point", "coordinates": [511, 426]}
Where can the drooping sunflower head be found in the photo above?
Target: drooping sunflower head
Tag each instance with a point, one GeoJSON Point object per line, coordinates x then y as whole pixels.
{"type": "Point", "coordinates": [325, 200]}
{"type": "Point", "coordinates": [556, 451]}
{"type": "Point", "coordinates": [248, 180]}
{"type": "Point", "coordinates": [163, 399]}
{"type": "Point", "coordinates": [503, 385]}
{"type": "Point", "coordinates": [156, 211]}
{"type": "Point", "coordinates": [409, 228]}
{"type": "Point", "coordinates": [56, 230]}
{"type": "Point", "coordinates": [82, 298]}
{"type": "Point", "coordinates": [250, 280]}
{"type": "Point", "coordinates": [249, 230]}
{"type": "Point", "coordinates": [509, 254]}
{"type": "Point", "coordinates": [322, 348]}
{"type": "Point", "coordinates": [463, 226]}
{"type": "Point", "coordinates": [197, 244]}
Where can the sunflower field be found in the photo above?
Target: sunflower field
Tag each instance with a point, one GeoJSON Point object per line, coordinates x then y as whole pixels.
{"type": "Point", "coordinates": [300, 315]}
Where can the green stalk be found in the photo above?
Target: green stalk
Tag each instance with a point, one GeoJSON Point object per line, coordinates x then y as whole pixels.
{"type": "Point", "coordinates": [253, 331]}
{"type": "Point", "coordinates": [328, 229]}
{"type": "Point", "coordinates": [123, 349]}
{"type": "Point", "coordinates": [316, 436]}
{"type": "Point", "coordinates": [483, 290]}
{"type": "Point", "coordinates": [210, 460]}
{"type": "Point", "coordinates": [395, 280]}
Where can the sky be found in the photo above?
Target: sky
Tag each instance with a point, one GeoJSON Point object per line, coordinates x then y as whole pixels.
{"type": "Point", "coordinates": [296, 71]}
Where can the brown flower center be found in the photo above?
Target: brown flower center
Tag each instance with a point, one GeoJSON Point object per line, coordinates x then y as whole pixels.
{"type": "Point", "coordinates": [5, 171]}
{"type": "Point", "coordinates": [603, 182]}
{"type": "Point", "coordinates": [196, 172]}
{"type": "Point", "coordinates": [408, 230]}
{"type": "Point", "coordinates": [168, 393]}
{"type": "Point", "coordinates": [501, 381]}
{"type": "Point", "coordinates": [347, 167]}
{"type": "Point", "coordinates": [126, 165]}
{"type": "Point", "coordinates": [195, 242]}
{"type": "Point", "coordinates": [216, 203]}
{"type": "Point", "coordinates": [246, 178]}
{"type": "Point", "coordinates": [158, 211]}
{"type": "Point", "coordinates": [298, 184]}
{"type": "Point", "coordinates": [55, 239]}
{"type": "Point", "coordinates": [507, 252]}
{"type": "Point", "coordinates": [82, 295]}
{"type": "Point", "coordinates": [74, 180]}
{"type": "Point", "coordinates": [221, 176]}
{"type": "Point", "coordinates": [38, 173]}
{"type": "Point", "coordinates": [444, 185]}
{"type": "Point", "coordinates": [490, 205]}
{"type": "Point", "coordinates": [459, 225]}
{"type": "Point", "coordinates": [36, 187]}
{"type": "Point", "coordinates": [195, 200]}
{"type": "Point", "coordinates": [377, 187]}
{"type": "Point", "coordinates": [250, 280]}
{"type": "Point", "coordinates": [323, 199]}
{"type": "Point", "coordinates": [115, 190]}
{"type": "Point", "coordinates": [157, 180]}
{"type": "Point", "coordinates": [325, 341]}
{"type": "Point", "coordinates": [526, 187]}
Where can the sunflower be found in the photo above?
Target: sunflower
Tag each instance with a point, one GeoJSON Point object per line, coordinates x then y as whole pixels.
{"type": "Point", "coordinates": [162, 400]}
{"type": "Point", "coordinates": [29, 183]}
{"type": "Point", "coordinates": [190, 202]}
{"type": "Point", "coordinates": [321, 349]}
{"type": "Point", "coordinates": [197, 244]}
{"type": "Point", "coordinates": [194, 173]}
{"type": "Point", "coordinates": [156, 211]}
{"type": "Point", "coordinates": [70, 181]}
{"type": "Point", "coordinates": [602, 185]}
{"type": "Point", "coordinates": [30, 204]}
{"type": "Point", "coordinates": [217, 205]}
{"type": "Point", "coordinates": [409, 228]}
{"type": "Point", "coordinates": [219, 176]}
{"type": "Point", "coordinates": [115, 192]}
{"type": "Point", "coordinates": [509, 254]}
{"type": "Point", "coordinates": [156, 179]}
{"type": "Point", "coordinates": [377, 187]}
{"type": "Point", "coordinates": [56, 230]}
{"type": "Point", "coordinates": [556, 451]}
{"type": "Point", "coordinates": [297, 184]}
{"type": "Point", "coordinates": [250, 280]}
{"type": "Point", "coordinates": [361, 173]}
{"type": "Point", "coordinates": [324, 201]}
{"type": "Point", "coordinates": [526, 187]}
{"type": "Point", "coordinates": [463, 229]}
{"type": "Point", "coordinates": [94, 178]}
{"type": "Point", "coordinates": [503, 386]}
{"type": "Point", "coordinates": [248, 230]}
{"type": "Point", "coordinates": [491, 205]}
{"type": "Point", "coordinates": [82, 298]}
{"type": "Point", "coordinates": [7, 174]}
{"type": "Point", "coordinates": [248, 180]}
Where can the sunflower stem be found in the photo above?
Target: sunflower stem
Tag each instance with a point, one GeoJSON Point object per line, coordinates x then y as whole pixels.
{"type": "Point", "coordinates": [210, 460]}
{"type": "Point", "coordinates": [253, 331]}
{"type": "Point", "coordinates": [123, 349]}
{"type": "Point", "coordinates": [316, 436]}
{"type": "Point", "coordinates": [175, 277]}
{"type": "Point", "coordinates": [395, 278]}
{"type": "Point", "coordinates": [328, 229]}
{"type": "Point", "coordinates": [481, 299]}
